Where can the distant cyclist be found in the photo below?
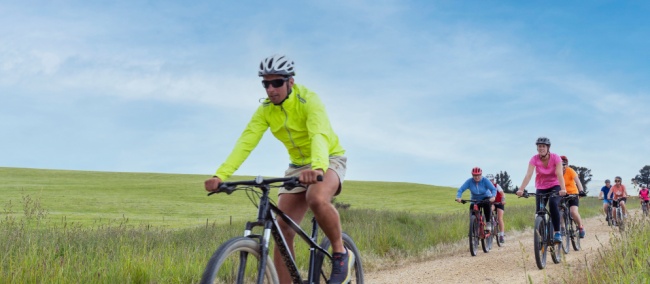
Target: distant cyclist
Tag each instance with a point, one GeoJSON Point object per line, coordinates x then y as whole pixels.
{"type": "Point", "coordinates": [548, 167]}
{"type": "Point", "coordinates": [644, 196]}
{"type": "Point", "coordinates": [573, 186]}
{"type": "Point", "coordinates": [618, 195]}
{"type": "Point", "coordinates": [604, 191]}
{"type": "Point", "coordinates": [500, 201]}
{"type": "Point", "coordinates": [480, 188]}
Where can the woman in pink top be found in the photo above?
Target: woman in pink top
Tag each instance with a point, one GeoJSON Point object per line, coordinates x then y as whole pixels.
{"type": "Point", "coordinates": [549, 178]}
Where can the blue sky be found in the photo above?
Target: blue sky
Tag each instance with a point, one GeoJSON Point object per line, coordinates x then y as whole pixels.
{"type": "Point", "coordinates": [418, 91]}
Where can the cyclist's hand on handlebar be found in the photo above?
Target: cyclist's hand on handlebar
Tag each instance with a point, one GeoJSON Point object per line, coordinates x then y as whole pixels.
{"type": "Point", "coordinates": [492, 199]}
{"type": "Point", "coordinates": [458, 200]}
{"type": "Point", "coordinates": [520, 193]}
{"type": "Point", "coordinates": [212, 184]}
{"type": "Point", "coordinates": [310, 176]}
{"type": "Point", "coordinates": [562, 192]}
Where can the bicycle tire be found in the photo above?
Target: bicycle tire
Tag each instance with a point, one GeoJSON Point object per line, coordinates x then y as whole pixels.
{"type": "Point", "coordinates": [321, 268]}
{"type": "Point", "coordinates": [486, 241]}
{"type": "Point", "coordinates": [564, 230]}
{"type": "Point", "coordinates": [610, 221]}
{"type": "Point", "coordinates": [540, 245]}
{"type": "Point", "coordinates": [224, 265]}
{"type": "Point", "coordinates": [473, 235]}
{"type": "Point", "coordinates": [620, 219]}
{"type": "Point", "coordinates": [496, 227]}
{"type": "Point", "coordinates": [575, 237]}
{"type": "Point", "coordinates": [556, 248]}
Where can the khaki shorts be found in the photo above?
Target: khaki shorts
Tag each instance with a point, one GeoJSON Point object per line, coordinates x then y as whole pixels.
{"type": "Point", "coordinates": [338, 164]}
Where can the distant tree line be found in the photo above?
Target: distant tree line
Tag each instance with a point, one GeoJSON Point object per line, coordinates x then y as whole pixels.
{"type": "Point", "coordinates": [643, 178]}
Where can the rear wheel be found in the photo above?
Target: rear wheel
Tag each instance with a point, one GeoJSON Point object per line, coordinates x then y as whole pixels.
{"type": "Point", "coordinates": [322, 268]}
{"type": "Point", "coordinates": [540, 244]}
{"type": "Point", "coordinates": [486, 241]}
{"type": "Point", "coordinates": [473, 235]}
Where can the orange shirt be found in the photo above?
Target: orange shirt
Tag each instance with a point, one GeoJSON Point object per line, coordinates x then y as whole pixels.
{"type": "Point", "coordinates": [569, 181]}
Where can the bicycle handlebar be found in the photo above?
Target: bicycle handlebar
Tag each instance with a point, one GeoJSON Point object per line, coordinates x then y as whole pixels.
{"type": "Point", "coordinates": [463, 201]}
{"type": "Point", "coordinates": [259, 181]}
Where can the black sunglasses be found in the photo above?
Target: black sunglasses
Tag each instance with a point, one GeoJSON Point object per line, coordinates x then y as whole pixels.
{"type": "Point", "coordinates": [276, 83]}
{"type": "Point", "coordinates": [617, 181]}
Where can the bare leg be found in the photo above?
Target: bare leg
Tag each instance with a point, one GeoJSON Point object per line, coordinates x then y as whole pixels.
{"type": "Point", "coordinates": [576, 215]}
{"type": "Point", "coordinates": [502, 226]}
{"type": "Point", "coordinates": [319, 199]}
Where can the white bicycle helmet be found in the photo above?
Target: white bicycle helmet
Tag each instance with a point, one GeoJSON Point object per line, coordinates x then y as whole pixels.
{"type": "Point", "coordinates": [276, 64]}
{"type": "Point", "coordinates": [490, 176]}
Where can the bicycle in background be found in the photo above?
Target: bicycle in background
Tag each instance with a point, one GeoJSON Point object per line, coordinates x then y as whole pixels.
{"type": "Point", "coordinates": [543, 237]}
{"type": "Point", "coordinates": [568, 226]}
{"type": "Point", "coordinates": [246, 259]}
{"type": "Point", "coordinates": [620, 217]}
{"type": "Point", "coordinates": [644, 207]}
{"type": "Point", "coordinates": [477, 228]}
{"type": "Point", "coordinates": [496, 228]}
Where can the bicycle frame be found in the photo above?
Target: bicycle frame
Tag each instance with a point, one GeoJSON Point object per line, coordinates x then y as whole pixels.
{"type": "Point", "coordinates": [267, 218]}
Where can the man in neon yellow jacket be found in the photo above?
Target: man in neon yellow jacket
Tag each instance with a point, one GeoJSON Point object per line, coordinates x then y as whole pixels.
{"type": "Point", "coordinates": [297, 117]}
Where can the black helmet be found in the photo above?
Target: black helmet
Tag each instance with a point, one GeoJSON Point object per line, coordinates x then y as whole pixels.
{"type": "Point", "coordinates": [543, 140]}
{"type": "Point", "coordinates": [607, 181]}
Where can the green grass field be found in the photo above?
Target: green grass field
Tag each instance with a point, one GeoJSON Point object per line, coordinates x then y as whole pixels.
{"type": "Point", "coordinates": [102, 227]}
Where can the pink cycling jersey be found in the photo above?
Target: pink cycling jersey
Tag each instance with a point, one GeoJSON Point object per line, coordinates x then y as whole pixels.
{"type": "Point", "coordinates": [643, 194]}
{"type": "Point", "coordinates": [546, 177]}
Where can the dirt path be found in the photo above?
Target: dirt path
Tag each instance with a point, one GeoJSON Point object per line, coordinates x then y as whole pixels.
{"type": "Point", "coordinates": [514, 262]}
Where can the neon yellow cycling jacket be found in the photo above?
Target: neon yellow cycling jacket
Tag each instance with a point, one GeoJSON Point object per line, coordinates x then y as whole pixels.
{"type": "Point", "coordinates": [300, 123]}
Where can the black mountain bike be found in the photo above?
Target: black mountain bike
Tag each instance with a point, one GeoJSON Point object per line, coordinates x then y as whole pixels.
{"type": "Point", "coordinates": [644, 207]}
{"type": "Point", "coordinates": [568, 226]}
{"type": "Point", "coordinates": [246, 259]}
{"type": "Point", "coordinates": [477, 230]}
{"type": "Point", "coordinates": [543, 237]}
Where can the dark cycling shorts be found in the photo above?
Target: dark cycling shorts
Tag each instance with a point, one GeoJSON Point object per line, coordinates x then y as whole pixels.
{"type": "Point", "coordinates": [573, 202]}
{"type": "Point", "coordinates": [615, 203]}
{"type": "Point", "coordinates": [500, 206]}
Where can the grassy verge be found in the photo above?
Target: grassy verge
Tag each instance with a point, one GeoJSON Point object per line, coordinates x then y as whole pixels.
{"type": "Point", "coordinates": [90, 227]}
{"type": "Point", "coordinates": [626, 261]}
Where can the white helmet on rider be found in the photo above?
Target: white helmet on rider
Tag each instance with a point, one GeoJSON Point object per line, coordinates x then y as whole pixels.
{"type": "Point", "coordinates": [490, 176]}
{"type": "Point", "coordinates": [276, 64]}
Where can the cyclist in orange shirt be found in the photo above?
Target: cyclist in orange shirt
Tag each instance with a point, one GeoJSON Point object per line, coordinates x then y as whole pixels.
{"type": "Point", "coordinates": [573, 186]}
{"type": "Point", "coordinates": [619, 195]}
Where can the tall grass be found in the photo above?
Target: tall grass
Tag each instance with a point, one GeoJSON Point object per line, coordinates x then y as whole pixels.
{"type": "Point", "coordinates": [628, 259]}
{"type": "Point", "coordinates": [127, 242]}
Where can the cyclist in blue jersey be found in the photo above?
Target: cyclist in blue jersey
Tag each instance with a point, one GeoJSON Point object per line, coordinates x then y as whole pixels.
{"type": "Point", "coordinates": [604, 191]}
{"type": "Point", "coordinates": [480, 188]}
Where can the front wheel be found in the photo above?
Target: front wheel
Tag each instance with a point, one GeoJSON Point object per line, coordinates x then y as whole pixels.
{"type": "Point", "coordinates": [620, 219]}
{"type": "Point", "coordinates": [496, 228]}
{"type": "Point", "coordinates": [237, 261]}
{"type": "Point", "coordinates": [540, 245]}
{"type": "Point", "coordinates": [322, 268]}
{"type": "Point", "coordinates": [564, 230]}
{"type": "Point", "coordinates": [575, 235]}
{"type": "Point", "coordinates": [473, 235]}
